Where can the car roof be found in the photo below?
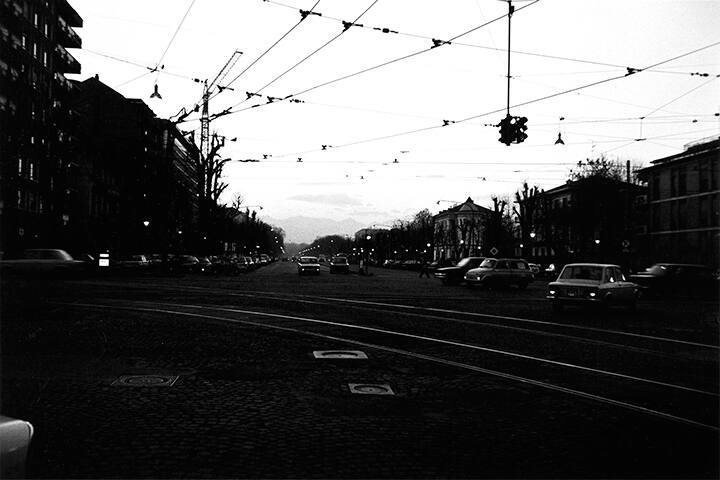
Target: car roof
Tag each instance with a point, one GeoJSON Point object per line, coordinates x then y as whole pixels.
{"type": "Point", "coordinates": [602, 265]}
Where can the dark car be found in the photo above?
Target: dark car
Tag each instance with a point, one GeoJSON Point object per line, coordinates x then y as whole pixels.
{"type": "Point", "coordinates": [677, 279]}
{"type": "Point", "coordinates": [339, 265]}
{"type": "Point", "coordinates": [42, 262]}
{"type": "Point", "coordinates": [185, 264]}
{"type": "Point", "coordinates": [497, 272]}
{"type": "Point", "coordinates": [455, 275]}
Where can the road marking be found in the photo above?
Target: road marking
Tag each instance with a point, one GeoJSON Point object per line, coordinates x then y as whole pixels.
{"type": "Point", "coordinates": [508, 376]}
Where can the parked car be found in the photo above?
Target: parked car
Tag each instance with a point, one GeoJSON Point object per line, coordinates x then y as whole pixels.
{"type": "Point", "coordinates": [500, 272]}
{"type": "Point", "coordinates": [592, 284]}
{"type": "Point", "coordinates": [43, 261]}
{"type": "Point", "coordinates": [185, 264]}
{"type": "Point", "coordinates": [339, 265]}
{"type": "Point", "coordinates": [455, 275]}
{"type": "Point", "coordinates": [534, 268]}
{"type": "Point", "coordinates": [205, 265]}
{"type": "Point", "coordinates": [133, 262]}
{"type": "Point", "coordinates": [663, 279]}
{"type": "Point", "coordinates": [308, 265]}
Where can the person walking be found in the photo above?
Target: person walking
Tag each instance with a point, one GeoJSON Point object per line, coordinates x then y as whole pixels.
{"type": "Point", "coordinates": [424, 268]}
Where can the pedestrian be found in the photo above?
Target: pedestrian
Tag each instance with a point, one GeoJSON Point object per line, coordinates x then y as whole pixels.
{"type": "Point", "coordinates": [362, 267]}
{"type": "Point", "coordinates": [424, 269]}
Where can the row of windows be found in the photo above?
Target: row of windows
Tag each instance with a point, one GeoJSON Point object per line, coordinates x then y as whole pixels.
{"type": "Point", "coordinates": [683, 214]}
{"type": "Point", "coordinates": [689, 179]}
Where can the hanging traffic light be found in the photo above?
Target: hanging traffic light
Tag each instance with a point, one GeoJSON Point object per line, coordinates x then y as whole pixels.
{"type": "Point", "coordinates": [512, 130]}
{"type": "Point", "coordinates": [506, 130]}
{"type": "Point", "coordinates": [520, 127]}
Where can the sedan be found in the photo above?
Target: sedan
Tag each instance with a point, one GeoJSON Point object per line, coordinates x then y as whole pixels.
{"type": "Point", "coordinates": [308, 265]}
{"type": "Point", "coordinates": [339, 265]}
{"type": "Point", "coordinates": [456, 274]}
{"type": "Point", "coordinates": [663, 279]}
{"type": "Point", "coordinates": [598, 284]}
{"type": "Point", "coordinates": [43, 261]}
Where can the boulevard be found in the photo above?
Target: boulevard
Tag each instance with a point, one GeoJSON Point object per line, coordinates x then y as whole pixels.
{"type": "Point", "coordinates": [457, 382]}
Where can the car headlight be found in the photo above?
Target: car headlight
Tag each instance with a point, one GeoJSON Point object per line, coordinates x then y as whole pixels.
{"type": "Point", "coordinates": [552, 292]}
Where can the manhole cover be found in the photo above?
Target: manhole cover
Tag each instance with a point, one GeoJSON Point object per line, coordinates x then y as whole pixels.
{"type": "Point", "coordinates": [370, 389]}
{"type": "Point", "coordinates": [356, 354]}
{"type": "Point", "coordinates": [145, 381]}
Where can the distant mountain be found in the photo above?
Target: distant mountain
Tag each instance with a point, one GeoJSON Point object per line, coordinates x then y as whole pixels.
{"type": "Point", "coordinates": [306, 229]}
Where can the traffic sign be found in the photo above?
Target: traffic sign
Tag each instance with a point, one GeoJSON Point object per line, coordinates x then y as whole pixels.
{"type": "Point", "coordinates": [494, 251]}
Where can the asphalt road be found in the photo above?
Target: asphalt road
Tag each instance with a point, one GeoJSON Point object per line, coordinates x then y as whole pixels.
{"type": "Point", "coordinates": [215, 376]}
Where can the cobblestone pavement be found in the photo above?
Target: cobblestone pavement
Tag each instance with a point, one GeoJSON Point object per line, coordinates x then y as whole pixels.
{"type": "Point", "coordinates": [250, 402]}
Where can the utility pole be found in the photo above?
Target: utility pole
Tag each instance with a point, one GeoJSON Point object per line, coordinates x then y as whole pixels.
{"type": "Point", "coordinates": [511, 10]}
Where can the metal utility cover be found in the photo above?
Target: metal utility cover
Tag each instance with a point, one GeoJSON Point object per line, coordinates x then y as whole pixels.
{"type": "Point", "coordinates": [371, 388]}
{"type": "Point", "coordinates": [344, 354]}
{"type": "Point", "coordinates": [145, 381]}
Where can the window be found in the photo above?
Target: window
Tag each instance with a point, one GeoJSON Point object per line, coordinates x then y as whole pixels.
{"type": "Point", "coordinates": [23, 40]}
{"type": "Point", "coordinates": [682, 181]}
{"type": "Point", "coordinates": [704, 214]}
{"type": "Point", "coordinates": [45, 29]}
{"type": "Point", "coordinates": [682, 214]}
{"type": "Point", "coordinates": [35, 50]}
{"type": "Point", "coordinates": [31, 171]}
{"type": "Point", "coordinates": [20, 166]}
{"type": "Point", "coordinates": [45, 63]}
{"type": "Point", "coordinates": [656, 187]}
{"type": "Point", "coordinates": [673, 182]}
{"type": "Point", "coordinates": [36, 20]}
{"type": "Point", "coordinates": [501, 264]}
{"type": "Point", "coordinates": [703, 174]}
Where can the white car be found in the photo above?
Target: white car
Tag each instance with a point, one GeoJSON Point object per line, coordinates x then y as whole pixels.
{"type": "Point", "coordinates": [592, 284]}
{"type": "Point", "coordinates": [308, 265]}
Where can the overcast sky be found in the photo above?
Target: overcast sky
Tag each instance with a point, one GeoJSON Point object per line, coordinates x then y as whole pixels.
{"type": "Point", "coordinates": [451, 82]}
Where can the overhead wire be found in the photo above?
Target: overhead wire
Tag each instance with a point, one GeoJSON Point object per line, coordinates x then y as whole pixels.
{"type": "Point", "coordinates": [307, 57]}
{"type": "Point", "coordinates": [172, 39]}
{"type": "Point", "coordinates": [681, 96]}
{"type": "Point", "coordinates": [150, 69]}
{"type": "Point", "coordinates": [230, 111]}
{"type": "Point", "coordinates": [267, 50]}
{"type": "Point", "coordinates": [503, 50]}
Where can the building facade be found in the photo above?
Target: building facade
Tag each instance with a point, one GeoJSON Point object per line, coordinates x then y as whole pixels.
{"type": "Point", "coordinates": [38, 138]}
{"type": "Point", "coordinates": [591, 219]}
{"type": "Point", "coordinates": [136, 182]}
{"type": "Point", "coordinates": [683, 202]}
{"type": "Point", "coordinates": [461, 231]}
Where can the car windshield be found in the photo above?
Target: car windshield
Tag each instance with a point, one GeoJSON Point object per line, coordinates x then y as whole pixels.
{"type": "Point", "coordinates": [339, 261]}
{"type": "Point", "coordinates": [463, 262]}
{"type": "Point", "coordinates": [489, 263]}
{"type": "Point", "coordinates": [582, 272]}
{"type": "Point", "coordinates": [308, 260]}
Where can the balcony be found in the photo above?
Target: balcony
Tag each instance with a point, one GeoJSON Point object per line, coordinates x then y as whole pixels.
{"type": "Point", "coordinates": [66, 36]}
{"type": "Point", "coordinates": [65, 62]}
{"type": "Point", "coordinates": [69, 14]}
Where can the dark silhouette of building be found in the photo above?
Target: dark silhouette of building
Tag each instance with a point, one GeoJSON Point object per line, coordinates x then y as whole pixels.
{"type": "Point", "coordinates": [683, 224]}
{"type": "Point", "coordinates": [37, 137]}
{"type": "Point", "coordinates": [591, 219]}
{"type": "Point", "coordinates": [136, 181]}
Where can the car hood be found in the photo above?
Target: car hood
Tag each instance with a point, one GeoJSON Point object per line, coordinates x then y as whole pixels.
{"type": "Point", "coordinates": [449, 269]}
{"type": "Point", "coordinates": [575, 282]}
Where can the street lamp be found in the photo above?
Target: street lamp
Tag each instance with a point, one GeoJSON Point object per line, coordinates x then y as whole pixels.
{"type": "Point", "coordinates": [146, 223]}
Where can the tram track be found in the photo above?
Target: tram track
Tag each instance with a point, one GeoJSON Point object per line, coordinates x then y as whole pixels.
{"type": "Point", "coordinates": [638, 394]}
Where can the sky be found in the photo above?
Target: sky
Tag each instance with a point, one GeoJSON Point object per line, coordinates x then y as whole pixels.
{"type": "Point", "coordinates": [356, 175]}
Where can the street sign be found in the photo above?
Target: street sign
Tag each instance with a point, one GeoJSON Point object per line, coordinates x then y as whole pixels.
{"type": "Point", "coordinates": [104, 260]}
{"type": "Point", "coordinates": [494, 251]}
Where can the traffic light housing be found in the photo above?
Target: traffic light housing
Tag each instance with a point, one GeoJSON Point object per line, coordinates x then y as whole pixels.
{"type": "Point", "coordinates": [506, 130]}
{"type": "Point", "coordinates": [512, 130]}
{"type": "Point", "coordinates": [520, 127]}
